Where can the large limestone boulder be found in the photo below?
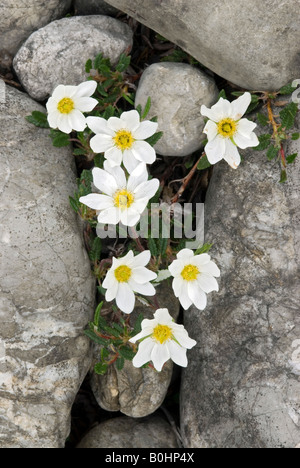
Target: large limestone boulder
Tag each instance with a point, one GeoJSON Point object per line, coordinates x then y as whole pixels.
{"type": "Point", "coordinates": [242, 387]}
{"type": "Point", "coordinates": [18, 19]}
{"type": "Point", "coordinates": [46, 287]}
{"type": "Point", "coordinates": [253, 44]}
{"type": "Point", "coordinates": [64, 46]}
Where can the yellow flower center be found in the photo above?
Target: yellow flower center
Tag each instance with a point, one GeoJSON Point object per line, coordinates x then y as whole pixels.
{"type": "Point", "coordinates": [65, 106]}
{"type": "Point", "coordinates": [190, 273]}
{"type": "Point", "coordinates": [123, 139]}
{"type": "Point", "coordinates": [227, 128]}
{"type": "Point", "coordinates": [123, 199]}
{"type": "Point", "coordinates": [123, 273]}
{"type": "Point", "coordinates": [162, 333]}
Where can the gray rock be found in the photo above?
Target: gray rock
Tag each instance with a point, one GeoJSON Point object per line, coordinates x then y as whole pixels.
{"type": "Point", "coordinates": [64, 47]}
{"type": "Point", "coordinates": [18, 19]}
{"type": "Point", "coordinates": [137, 392]}
{"type": "Point", "coordinates": [177, 91]}
{"type": "Point", "coordinates": [246, 365]}
{"type": "Point", "coordinates": [46, 287]}
{"type": "Point", "coordinates": [252, 44]}
{"type": "Point", "coordinates": [123, 432]}
{"type": "Point", "coordinates": [94, 7]}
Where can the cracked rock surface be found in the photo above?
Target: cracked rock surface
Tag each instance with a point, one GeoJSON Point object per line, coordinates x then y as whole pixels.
{"type": "Point", "coordinates": [46, 287]}
{"type": "Point", "coordinates": [246, 365]}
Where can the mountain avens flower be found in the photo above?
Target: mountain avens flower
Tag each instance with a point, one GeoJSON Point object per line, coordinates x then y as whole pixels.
{"type": "Point", "coordinates": [194, 277]}
{"type": "Point", "coordinates": [129, 275]}
{"type": "Point", "coordinates": [121, 200]}
{"type": "Point", "coordinates": [66, 106]}
{"type": "Point", "coordinates": [227, 131]}
{"type": "Point", "coordinates": [122, 139]}
{"type": "Point", "coordinates": [162, 339]}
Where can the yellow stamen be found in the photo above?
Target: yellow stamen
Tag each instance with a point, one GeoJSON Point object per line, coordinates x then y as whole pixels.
{"type": "Point", "coordinates": [190, 273]}
{"type": "Point", "coordinates": [227, 128]}
{"type": "Point", "coordinates": [123, 139]}
{"type": "Point", "coordinates": [162, 333]}
{"type": "Point", "coordinates": [123, 199]}
{"type": "Point", "coordinates": [65, 106]}
{"type": "Point", "coordinates": [123, 273]}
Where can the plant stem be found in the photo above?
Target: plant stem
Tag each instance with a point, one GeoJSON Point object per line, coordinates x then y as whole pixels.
{"type": "Point", "coordinates": [186, 181]}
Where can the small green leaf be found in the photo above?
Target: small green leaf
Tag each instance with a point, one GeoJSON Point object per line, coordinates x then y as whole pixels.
{"type": "Point", "coordinates": [59, 139]}
{"type": "Point", "coordinates": [290, 159]}
{"type": "Point", "coordinates": [97, 339]}
{"type": "Point", "coordinates": [147, 108]}
{"type": "Point", "coordinates": [139, 109]}
{"type": "Point", "coordinates": [74, 204]}
{"type": "Point", "coordinates": [203, 163]}
{"type": "Point", "coordinates": [288, 89]}
{"type": "Point", "coordinates": [39, 119]}
{"type": "Point", "coordinates": [100, 368]}
{"type": "Point", "coordinates": [124, 63]}
{"type": "Point", "coordinates": [138, 325]}
{"type": "Point", "coordinates": [222, 94]}
{"type": "Point", "coordinates": [97, 314]}
{"type": "Point", "coordinates": [95, 252]}
{"type": "Point", "coordinates": [120, 363]}
{"type": "Point", "coordinates": [88, 66]}
{"type": "Point", "coordinates": [126, 353]}
{"type": "Point", "coordinates": [152, 247]}
{"type": "Point", "coordinates": [283, 177]}
{"type": "Point", "coordinates": [262, 119]}
{"type": "Point", "coordinates": [295, 136]}
{"type": "Point", "coordinates": [204, 249]}
{"type": "Point", "coordinates": [79, 152]}
{"type": "Point", "coordinates": [154, 138]}
{"type": "Point", "coordinates": [272, 152]}
{"type": "Point", "coordinates": [163, 244]}
{"type": "Point", "coordinates": [264, 142]}
{"type": "Point", "coordinates": [288, 115]}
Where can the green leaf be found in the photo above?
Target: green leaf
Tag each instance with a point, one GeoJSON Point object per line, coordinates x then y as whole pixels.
{"type": "Point", "coordinates": [288, 115]}
{"type": "Point", "coordinates": [147, 108]}
{"type": "Point", "coordinates": [97, 314]}
{"type": "Point", "coordinates": [120, 363]}
{"type": "Point", "coordinates": [262, 119]}
{"type": "Point", "coordinates": [109, 112]}
{"type": "Point", "coordinates": [88, 66]}
{"type": "Point", "coordinates": [100, 368]}
{"type": "Point", "coordinates": [222, 94]}
{"type": "Point", "coordinates": [264, 142]}
{"type": "Point", "coordinates": [97, 339]}
{"type": "Point", "coordinates": [283, 177]}
{"type": "Point", "coordinates": [288, 89]}
{"type": "Point", "coordinates": [152, 247]}
{"type": "Point", "coordinates": [272, 152]}
{"type": "Point", "coordinates": [127, 353]}
{"type": "Point", "coordinates": [237, 93]}
{"type": "Point", "coordinates": [39, 119]}
{"type": "Point", "coordinates": [74, 204]}
{"type": "Point", "coordinates": [95, 252]}
{"type": "Point", "coordinates": [138, 325]}
{"type": "Point", "coordinates": [154, 138]}
{"type": "Point", "coordinates": [118, 327]}
{"type": "Point", "coordinates": [79, 152]}
{"type": "Point", "coordinates": [124, 62]}
{"type": "Point", "coordinates": [290, 159]}
{"type": "Point", "coordinates": [204, 249]}
{"type": "Point", "coordinates": [203, 163]}
{"type": "Point", "coordinates": [163, 244]}
{"type": "Point", "coordinates": [295, 136]}
{"type": "Point", "coordinates": [59, 139]}
{"type": "Point", "coordinates": [139, 109]}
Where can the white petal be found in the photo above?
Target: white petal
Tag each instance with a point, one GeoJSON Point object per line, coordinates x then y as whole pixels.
{"type": "Point", "coordinates": [142, 259]}
{"type": "Point", "coordinates": [176, 267]}
{"type": "Point", "coordinates": [145, 130]}
{"type": "Point", "coordinates": [147, 189]}
{"type": "Point", "coordinates": [131, 120]}
{"type": "Point", "coordinates": [99, 125]}
{"type": "Point", "coordinates": [215, 150]}
{"type": "Point", "coordinates": [211, 130]}
{"type": "Point", "coordinates": [114, 155]}
{"type": "Point", "coordinates": [125, 298]}
{"type": "Point", "coordinates": [52, 119]}
{"type": "Point", "coordinates": [163, 317]}
{"type": "Point", "coordinates": [59, 93]}
{"type": "Point", "coordinates": [130, 161]}
{"type": "Point", "coordinates": [119, 176]}
{"type": "Point", "coordinates": [146, 289]}
{"type": "Point", "coordinates": [63, 123]}
{"type": "Point", "coordinates": [86, 89]}
{"type": "Point", "coordinates": [96, 201]}
{"type": "Point", "coordinates": [146, 331]}
{"type": "Point", "coordinates": [232, 156]}
{"type": "Point", "coordinates": [201, 259]}
{"type": "Point", "coordinates": [182, 337]}
{"type": "Point", "coordinates": [51, 105]}
{"type": "Point", "coordinates": [211, 268]}
{"type": "Point", "coordinates": [246, 127]}
{"type": "Point", "coordinates": [112, 291]}
{"type": "Point", "coordinates": [143, 152]}
{"type": "Point", "coordinates": [115, 124]}
{"type": "Point", "coordinates": [129, 217]}
{"type": "Point", "coordinates": [207, 283]}
{"type": "Point", "coordinates": [177, 285]}
{"type": "Point", "coordinates": [185, 253]}
{"type": "Point", "coordinates": [144, 353]}
{"type": "Point", "coordinates": [101, 143]}
{"type": "Point", "coordinates": [109, 216]}
{"type": "Point", "coordinates": [85, 104]}
{"type": "Point", "coordinates": [77, 120]}
{"type": "Point", "coordinates": [240, 105]}
{"type": "Point", "coordinates": [244, 142]}
{"type": "Point", "coordinates": [219, 111]}
{"type": "Point", "coordinates": [254, 140]}
{"type": "Point", "coordinates": [177, 354]}
{"type": "Point", "coordinates": [142, 275]}
{"type": "Point", "coordinates": [137, 177]}
{"type": "Point", "coordinates": [159, 355]}
{"type": "Point", "coordinates": [70, 91]}
{"type": "Point", "coordinates": [184, 299]}
{"type": "Point", "coordinates": [104, 181]}
{"type": "Point", "coordinates": [197, 296]}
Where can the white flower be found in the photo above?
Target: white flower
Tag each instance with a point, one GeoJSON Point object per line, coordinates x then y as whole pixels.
{"type": "Point", "coordinates": [122, 201]}
{"type": "Point", "coordinates": [127, 276]}
{"type": "Point", "coordinates": [194, 277]}
{"type": "Point", "coordinates": [226, 130]}
{"type": "Point", "coordinates": [122, 139]}
{"type": "Point", "coordinates": [67, 103]}
{"type": "Point", "coordinates": [162, 339]}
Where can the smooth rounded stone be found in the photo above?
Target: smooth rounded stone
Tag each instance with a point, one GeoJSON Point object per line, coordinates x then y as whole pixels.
{"type": "Point", "coordinates": [18, 19]}
{"type": "Point", "coordinates": [253, 44]}
{"type": "Point", "coordinates": [246, 366]}
{"type": "Point", "coordinates": [137, 392]}
{"type": "Point", "coordinates": [64, 46]}
{"type": "Point", "coordinates": [46, 288]}
{"type": "Point", "coordinates": [94, 7]}
{"type": "Point", "coordinates": [123, 432]}
{"type": "Point", "coordinates": [177, 91]}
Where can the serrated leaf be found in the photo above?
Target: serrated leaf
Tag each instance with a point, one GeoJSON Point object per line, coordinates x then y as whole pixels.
{"type": "Point", "coordinates": [283, 177]}
{"type": "Point", "coordinates": [288, 89]}
{"type": "Point", "coordinates": [203, 163]}
{"type": "Point", "coordinates": [288, 115]}
{"type": "Point", "coordinates": [222, 94]}
{"type": "Point", "coordinates": [291, 158]}
{"type": "Point", "coordinates": [88, 66]}
{"type": "Point", "coordinates": [74, 204]}
{"type": "Point", "coordinates": [59, 139]}
{"type": "Point", "coordinates": [97, 314]}
{"type": "Point", "coordinates": [118, 327]}
{"type": "Point", "coordinates": [79, 152]}
{"type": "Point", "coordinates": [152, 247]}
{"type": "Point", "coordinates": [154, 138]}
{"type": "Point", "coordinates": [39, 119]}
{"type": "Point", "coordinates": [95, 252]}
{"type": "Point", "coordinates": [100, 368]}
{"type": "Point", "coordinates": [124, 62]}
{"type": "Point", "coordinates": [295, 136]}
{"type": "Point", "coordinates": [147, 108]}
{"type": "Point", "coordinates": [126, 353]}
{"type": "Point", "coordinates": [97, 339]}
{"type": "Point", "coordinates": [262, 119]}
{"type": "Point", "coordinates": [264, 142]}
{"type": "Point", "coordinates": [120, 363]}
{"type": "Point", "coordinates": [272, 152]}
